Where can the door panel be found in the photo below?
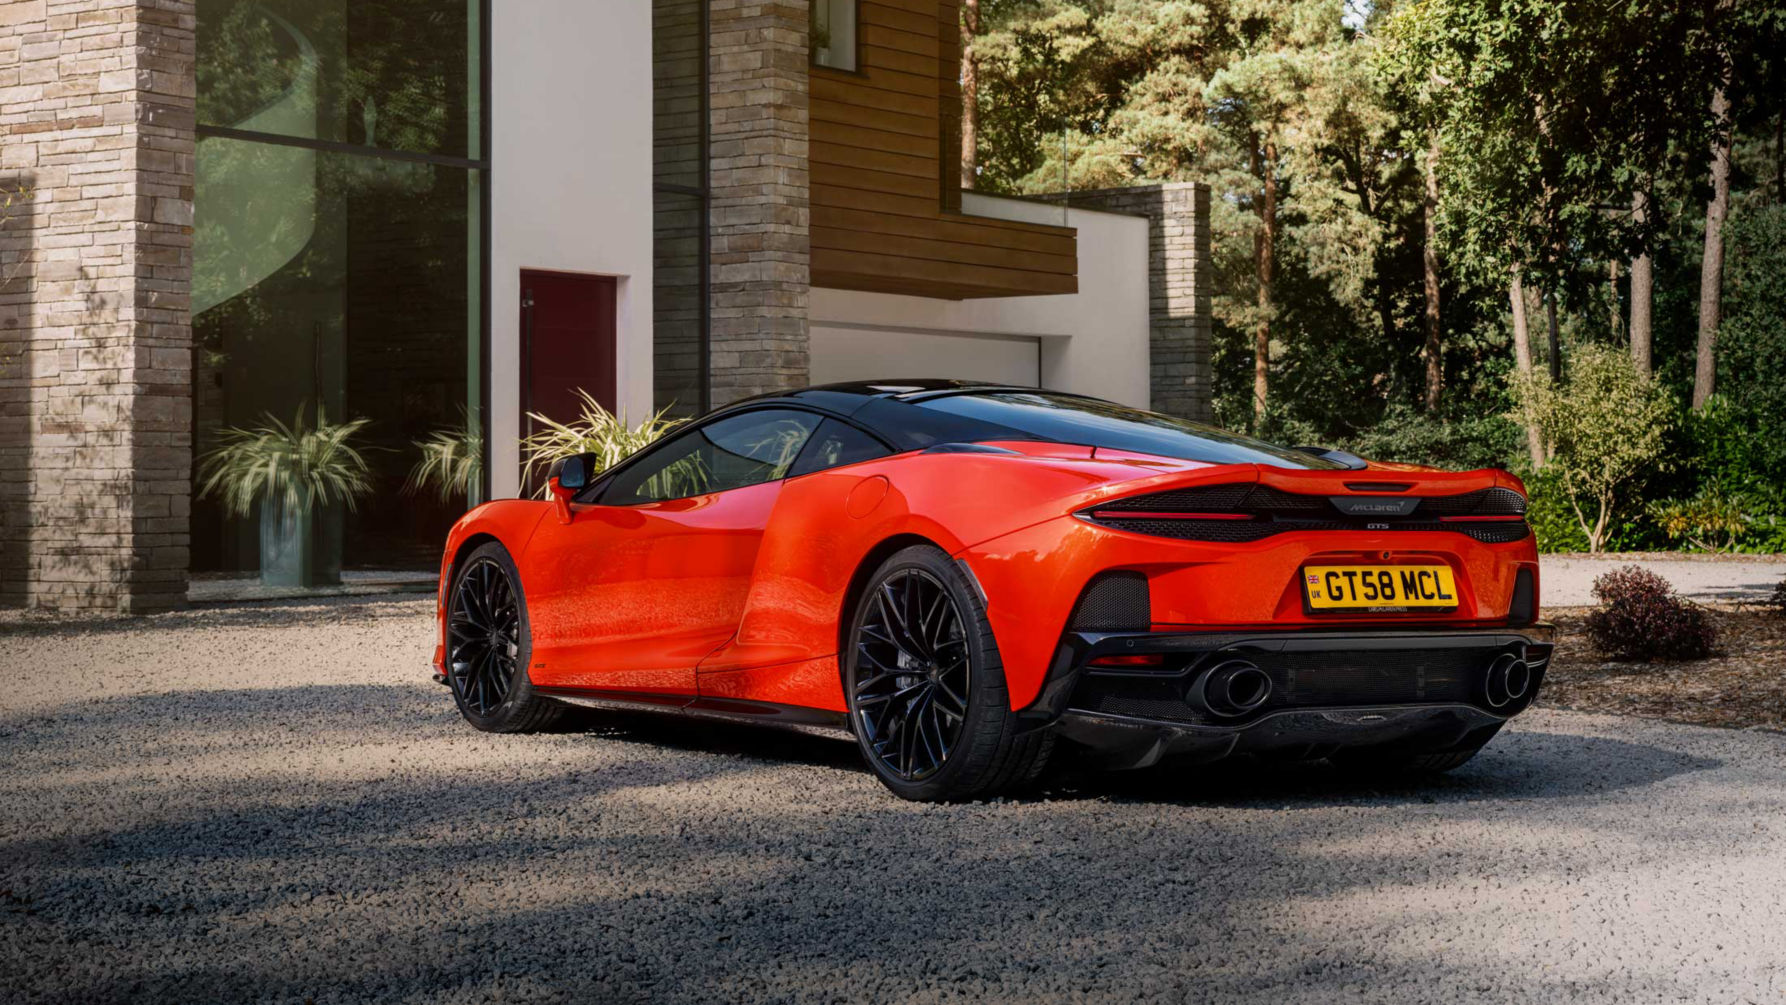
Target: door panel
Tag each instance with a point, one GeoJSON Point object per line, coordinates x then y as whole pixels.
{"type": "Point", "coordinates": [633, 597]}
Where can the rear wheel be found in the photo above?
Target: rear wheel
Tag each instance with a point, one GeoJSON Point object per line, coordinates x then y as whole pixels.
{"type": "Point", "coordinates": [489, 644]}
{"type": "Point", "coordinates": [926, 686]}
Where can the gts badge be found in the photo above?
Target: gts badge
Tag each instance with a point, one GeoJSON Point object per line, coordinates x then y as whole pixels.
{"type": "Point", "coordinates": [1373, 505]}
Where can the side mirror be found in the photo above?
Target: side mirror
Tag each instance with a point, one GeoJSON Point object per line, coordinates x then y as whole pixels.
{"type": "Point", "coordinates": [568, 477]}
{"type": "Point", "coordinates": [575, 473]}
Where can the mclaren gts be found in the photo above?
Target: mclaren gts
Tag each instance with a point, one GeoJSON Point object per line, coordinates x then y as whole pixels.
{"type": "Point", "coordinates": [965, 576]}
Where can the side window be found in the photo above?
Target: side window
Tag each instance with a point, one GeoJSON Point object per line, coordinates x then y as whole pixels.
{"type": "Point", "coordinates": [736, 451]}
{"type": "Point", "coordinates": [836, 444]}
{"type": "Point", "coordinates": [833, 27]}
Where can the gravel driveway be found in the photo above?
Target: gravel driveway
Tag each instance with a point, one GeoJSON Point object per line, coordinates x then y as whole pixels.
{"type": "Point", "coordinates": [275, 804]}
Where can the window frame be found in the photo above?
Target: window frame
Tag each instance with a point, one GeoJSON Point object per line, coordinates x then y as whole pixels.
{"type": "Point", "coordinates": [812, 52]}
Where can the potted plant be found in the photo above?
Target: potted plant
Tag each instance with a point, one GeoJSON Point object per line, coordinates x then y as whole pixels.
{"type": "Point", "coordinates": [452, 463]}
{"type": "Point", "coordinates": [296, 474]}
{"type": "Point", "coordinates": [595, 431]}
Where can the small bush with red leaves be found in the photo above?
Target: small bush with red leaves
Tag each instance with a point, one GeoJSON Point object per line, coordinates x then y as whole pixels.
{"type": "Point", "coordinates": [1643, 620]}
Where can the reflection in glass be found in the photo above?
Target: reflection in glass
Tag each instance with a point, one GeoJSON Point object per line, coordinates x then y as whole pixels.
{"type": "Point", "coordinates": [834, 33]}
{"type": "Point", "coordinates": [676, 300]}
{"type": "Point", "coordinates": [337, 281]}
{"type": "Point", "coordinates": [378, 73]}
{"type": "Point", "coordinates": [680, 219]}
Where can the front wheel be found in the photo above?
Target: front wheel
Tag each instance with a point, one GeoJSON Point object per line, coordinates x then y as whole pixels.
{"type": "Point", "coordinates": [488, 646]}
{"type": "Point", "coordinates": [926, 687]}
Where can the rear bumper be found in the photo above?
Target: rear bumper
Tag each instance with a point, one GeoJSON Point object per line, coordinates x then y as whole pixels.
{"type": "Point", "coordinates": [1422, 689]}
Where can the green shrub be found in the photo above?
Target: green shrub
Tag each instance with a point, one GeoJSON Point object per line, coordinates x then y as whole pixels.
{"type": "Point", "coordinates": [1606, 427]}
{"type": "Point", "coordinates": [1712, 521]}
{"type": "Point", "coordinates": [1549, 513]}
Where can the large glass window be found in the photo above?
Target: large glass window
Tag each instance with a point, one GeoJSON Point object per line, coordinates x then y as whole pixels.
{"type": "Point", "coordinates": [337, 256]}
{"type": "Point", "coordinates": [681, 249]}
{"type": "Point", "coordinates": [390, 74]}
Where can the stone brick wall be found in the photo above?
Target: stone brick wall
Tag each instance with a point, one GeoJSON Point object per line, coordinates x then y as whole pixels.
{"type": "Point", "coordinates": [760, 184]}
{"type": "Point", "coordinates": [96, 121]}
{"type": "Point", "coordinates": [1179, 285]}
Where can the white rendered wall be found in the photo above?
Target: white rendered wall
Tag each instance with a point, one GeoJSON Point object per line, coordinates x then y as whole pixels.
{"type": "Point", "coordinates": [854, 353]}
{"type": "Point", "coordinates": [1093, 342]}
{"type": "Point", "coordinates": [571, 167]}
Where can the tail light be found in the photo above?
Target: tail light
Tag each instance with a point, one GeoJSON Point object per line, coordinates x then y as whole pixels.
{"type": "Point", "coordinates": [1245, 511]}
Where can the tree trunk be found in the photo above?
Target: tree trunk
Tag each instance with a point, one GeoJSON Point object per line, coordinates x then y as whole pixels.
{"type": "Point", "coordinates": [1429, 258]}
{"type": "Point", "coordinates": [1265, 247]}
{"type": "Point", "coordinates": [1711, 266]}
{"type": "Point", "coordinates": [1643, 289]}
{"type": "Point", "coordinates": [1556, 339]}
{"type": "Point", "coordinates": [970, 92]}
{"type": "Point", "coordinates": [1618, 307]}
{"type": "Point", "coordinates": [1522, 360]}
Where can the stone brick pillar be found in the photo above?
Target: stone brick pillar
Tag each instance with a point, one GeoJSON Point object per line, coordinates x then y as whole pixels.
{"type": "Point", "coordinates": [96, 128]}
{"type": "Point", "coordinates": [760, 196]}
{"type": "Point", "coordinates": [1179, 286]}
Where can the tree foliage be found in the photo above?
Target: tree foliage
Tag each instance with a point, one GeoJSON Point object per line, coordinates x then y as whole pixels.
{"type": "Point", "coordinates": [1540, 124]}
{"type": "Point", "coordinates": [1606, 426]}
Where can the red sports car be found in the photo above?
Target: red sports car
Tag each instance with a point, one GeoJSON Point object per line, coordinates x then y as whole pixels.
{"type": "Point", "coordinates": [963, 576]}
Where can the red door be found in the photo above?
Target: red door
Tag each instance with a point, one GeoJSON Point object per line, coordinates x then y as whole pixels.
{"type": "Point", "coordinates": [567, 344]}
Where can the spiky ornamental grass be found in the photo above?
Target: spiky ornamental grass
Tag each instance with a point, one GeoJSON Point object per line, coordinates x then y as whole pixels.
{"type": "Point", "coordinates": [299, 466]}
{"type": "Point", "coordinates": [452, 462]}
{"type": "Point", "coordinates": [595, 431]}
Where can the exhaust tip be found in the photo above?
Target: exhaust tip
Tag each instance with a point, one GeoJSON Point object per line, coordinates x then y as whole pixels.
{"type": "Point", "coordinates": [1232, 688]}
{"type": "Point", "coordinates": [1507, 680]}
{"type": "Point", "coordinates": [1519, 679]}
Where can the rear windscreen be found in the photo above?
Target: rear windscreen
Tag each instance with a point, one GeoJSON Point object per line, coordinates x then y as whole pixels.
{"type": "Point", "coordinates": [1066, 418]}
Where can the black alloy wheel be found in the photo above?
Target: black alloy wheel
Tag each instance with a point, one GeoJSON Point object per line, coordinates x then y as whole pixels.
{"type": "Point", "coordinates": [926, 687]}
{"type": "Point", "coordinates": [911, 691]}
{"type": "Point", "coordinates": [488, 646]}
{"type": "Point", "coordinates": [483, 637]}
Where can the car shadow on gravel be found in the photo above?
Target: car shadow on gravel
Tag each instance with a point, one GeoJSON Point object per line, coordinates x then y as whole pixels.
{"type": "Point", "coordinates": [1514, 767]}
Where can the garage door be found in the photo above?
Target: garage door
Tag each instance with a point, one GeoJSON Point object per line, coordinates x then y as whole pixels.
{"type": "Point", "coordinates": [875, 354]}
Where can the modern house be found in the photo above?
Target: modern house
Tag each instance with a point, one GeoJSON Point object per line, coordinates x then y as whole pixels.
{"type": "Point", "coordinates": [443, 215]}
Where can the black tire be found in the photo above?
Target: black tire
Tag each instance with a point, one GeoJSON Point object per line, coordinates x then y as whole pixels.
{"type": "Point", "coordinates": [921, 736]}
{"type": "Point", "coordinates": [1403, 762]}
{"type": "Point", "coordinates": [490, 644]}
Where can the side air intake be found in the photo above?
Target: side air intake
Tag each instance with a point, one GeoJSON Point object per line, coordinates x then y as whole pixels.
{"type": "Point", "coordinates": [1114, 602]}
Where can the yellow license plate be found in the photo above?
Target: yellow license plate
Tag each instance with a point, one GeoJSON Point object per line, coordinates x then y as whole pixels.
{"type": "Point", "coordinates": [1378, 587]}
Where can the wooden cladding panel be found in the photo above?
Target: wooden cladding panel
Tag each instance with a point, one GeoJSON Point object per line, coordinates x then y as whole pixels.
{"type": "Point", "coordinates": [886, 168]}
{"type": "Point", "coordinates": [1005, 256]}
{"type": "Point", "coordinates": [957, 229]}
